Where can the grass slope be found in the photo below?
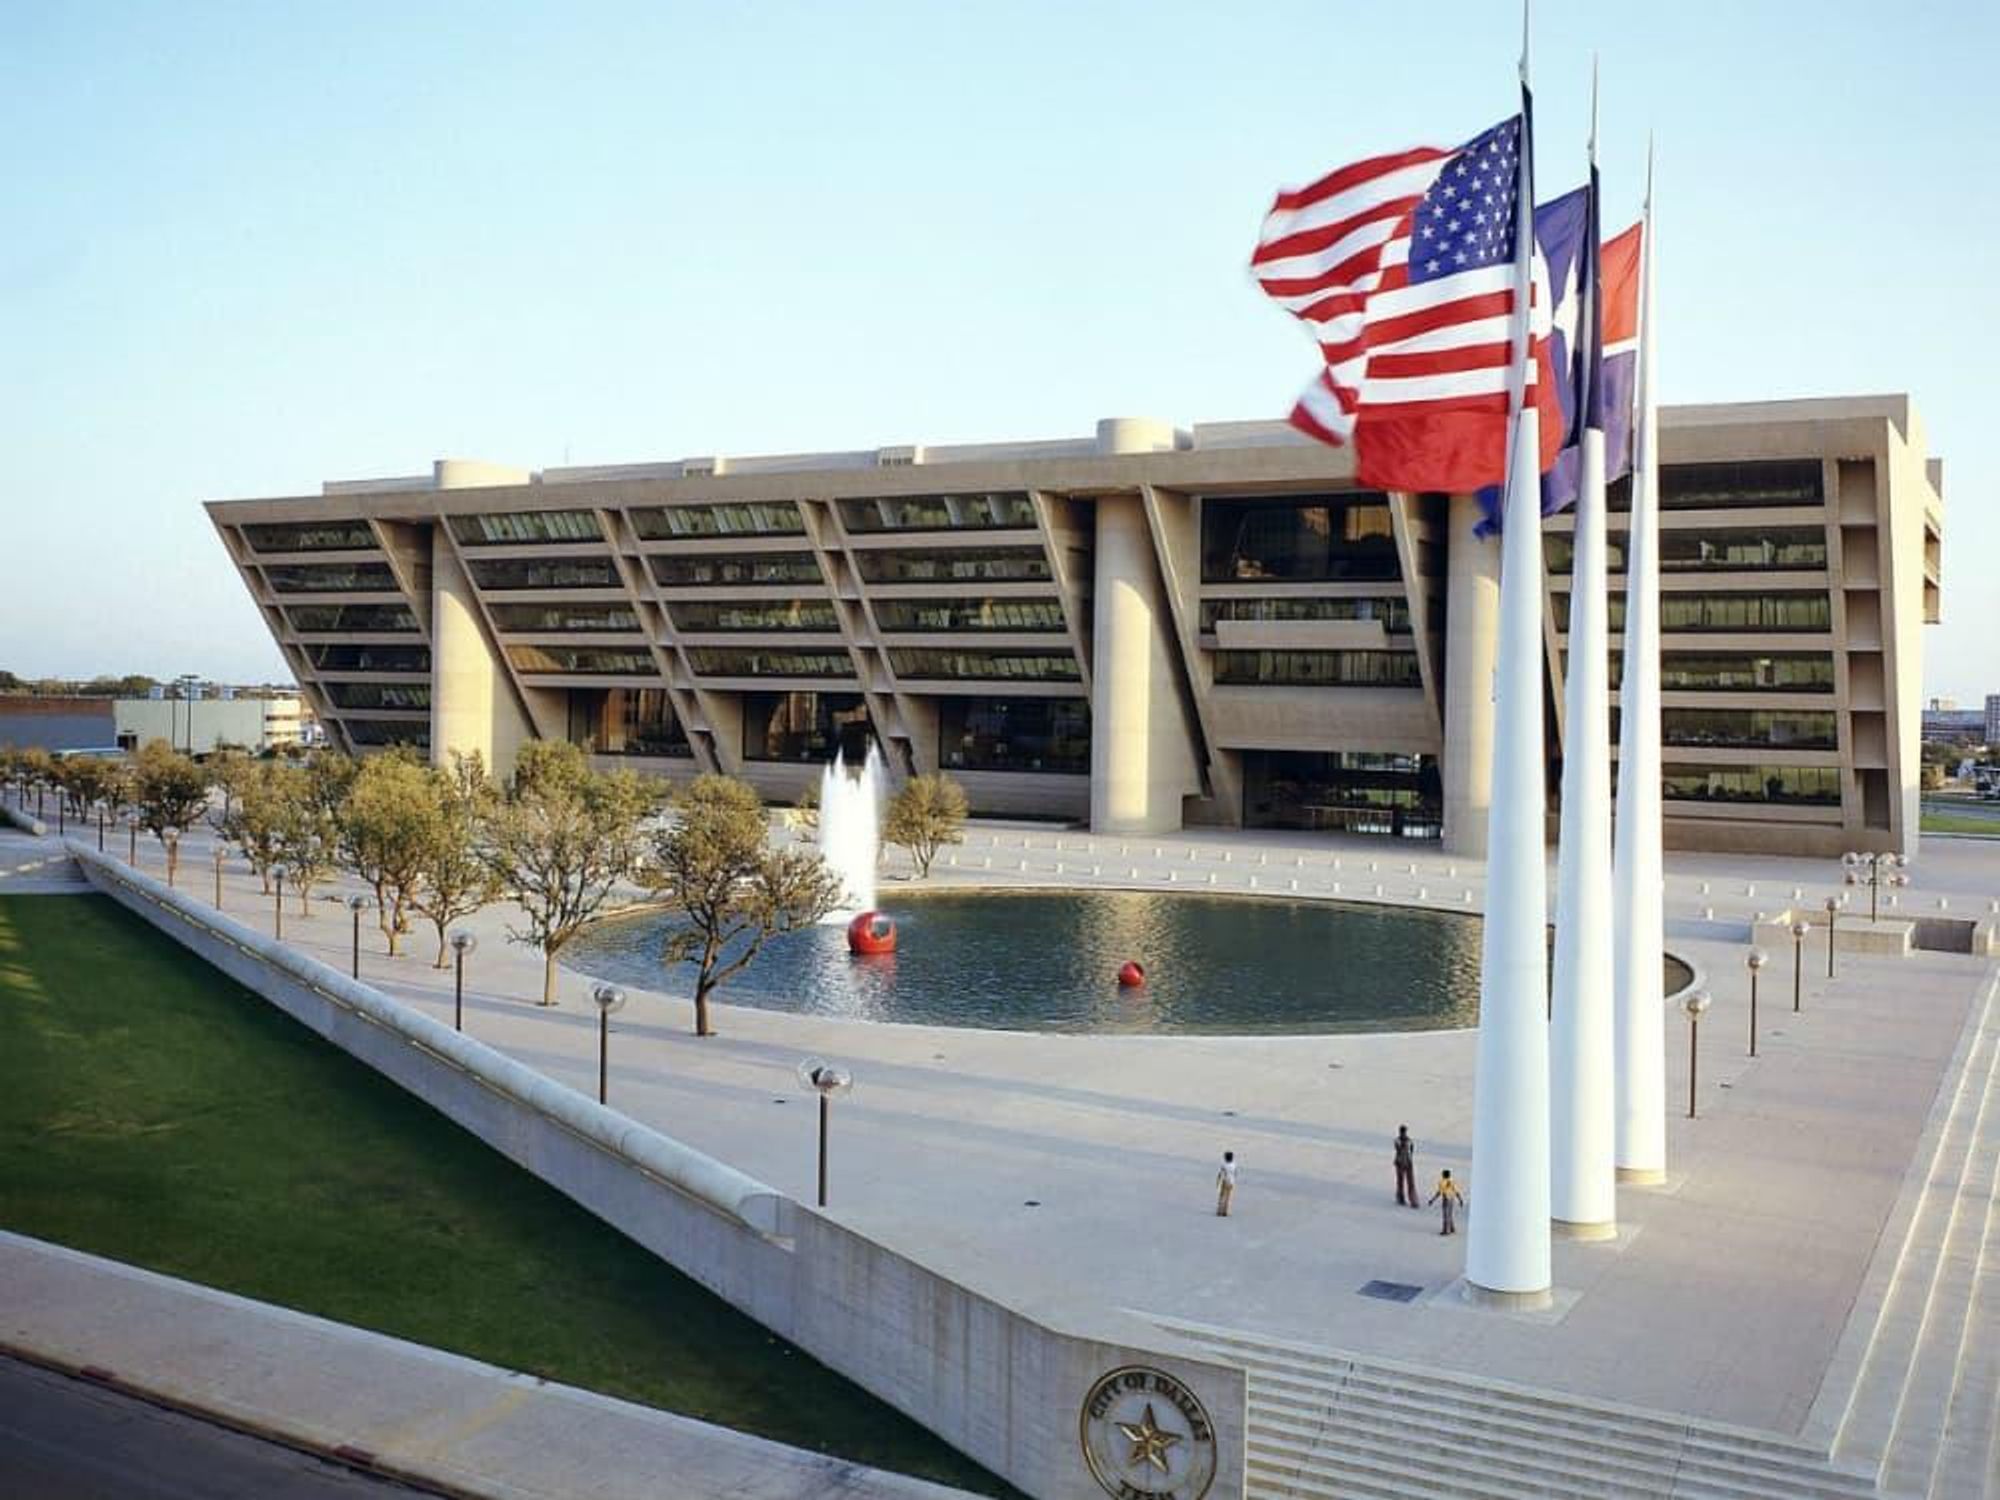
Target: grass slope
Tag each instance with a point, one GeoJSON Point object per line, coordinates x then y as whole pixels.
{"type": "Point", "coordinates": [155, 1112]}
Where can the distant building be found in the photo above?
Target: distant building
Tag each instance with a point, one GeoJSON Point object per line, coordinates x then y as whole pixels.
{"type": "Point", "coordinates": [202, 725]}
{"type": "Point", "coordinates": [1993, 718]}
{"type": "Point", "coordinates": [57, 723]}
{"type": "Point", "coordinates": [1944, 724]}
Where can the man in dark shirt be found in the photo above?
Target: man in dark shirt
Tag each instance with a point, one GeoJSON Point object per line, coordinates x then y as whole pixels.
{"type": "Point", "coordinates": [1406, 1168]}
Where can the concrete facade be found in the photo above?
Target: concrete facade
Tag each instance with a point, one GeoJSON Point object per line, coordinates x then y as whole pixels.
{"type": "Point", "coordinates": [202, 726]}
{"type": "Point", "coordinates": [1145, 629]}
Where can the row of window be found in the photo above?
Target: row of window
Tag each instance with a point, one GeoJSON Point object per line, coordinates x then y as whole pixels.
{"type": "Point", "coordinates": [1760, 549]}
{"type": "Point", "coordinates": [1748, 613]}
{"type": "Point", "coordinates": [790, 614]}
{"type": "Point", "coordinates": [941, 664]}
{"type": "Point", "coordinates": [523, 527]}
{"type": "Point", "coordinates": [626, 721]}
{"type": "Point", "coordinates": [756, 518]}
{"type": "Point", "coordinates": [616, 661]}
{"type": "Point", "coordinates": [332, 578]}
{"type": "Point", "coordinates": [559, 617]}
{"type": "Point", "coordinates": [1722, 486]}
{"type": "Point", "coordinates": [1746, 728]}
{"type": "Point", "coordinates": [1738, 672]}
{"type": "Point", "coordinates": [385, 732]}
{"type": "Point", "coordinates": [989, 512]}
{"type": "Point", "coordinates": [315, 536]}
{"type": "Point", "coordinates": [1307, 540]}
{"type": "Point", "coordinates": [406, 695]}
{"type": "Point", "coordinates": [326, 618]}
{"type": "Point", "coordinates": [1318, 668]}
{"type": "Point", "coordinates": [367, 656]}
{"type": "Point", "coordinates": [1014, 734]}
{"type": "Point", "coordinates": [1039, 615]}
{"type": "Point", "coordinates": [501, 573]}
{"type": "Point", "coordinates": [719, 570]}
{"type": "Point", "coordinates": [1394, 613]}
{"type": "Point", "coordinates": [708, 570]}
{"type": "Point", "coordinates": [1815, 786]}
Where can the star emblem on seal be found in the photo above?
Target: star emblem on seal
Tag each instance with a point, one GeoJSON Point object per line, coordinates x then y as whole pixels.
{"type": "Point", "coordinates": [1149, 1440]}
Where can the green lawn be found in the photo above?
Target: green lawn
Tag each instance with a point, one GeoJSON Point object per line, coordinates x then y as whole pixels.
{"type": "Point", "coordinates": [153, 1111]}
{"type": "Point", "coordinates": [1950, 822]}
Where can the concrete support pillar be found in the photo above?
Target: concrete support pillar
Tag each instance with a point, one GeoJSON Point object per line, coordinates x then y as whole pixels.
{"type": "Point", "coordinates": [1507, 1255]}
{"type": "Point", "coordinates": [1141, 756]}
{"type": "Point", "coordinates": [1472, 623]}
{"type": "Point", "coordinates": [472, 699]}
{"type": "Point", "coordinates": [1583, 1192]}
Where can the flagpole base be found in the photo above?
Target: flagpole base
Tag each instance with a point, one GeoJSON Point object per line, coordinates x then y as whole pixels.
{"type": "Point", "coordinates": [1566, 1229]}
{"type": "Point", "coordinates": [1480, 1296]}
{"type": "Point", "coordinates": [1642, 1176]}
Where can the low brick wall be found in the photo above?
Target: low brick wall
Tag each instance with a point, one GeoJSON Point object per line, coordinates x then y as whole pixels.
{"type": "Point", "coordinates": [1003, 1388]}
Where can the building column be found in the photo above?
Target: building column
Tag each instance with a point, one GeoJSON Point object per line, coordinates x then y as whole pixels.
{"type": "Point", "coordinates": [1472, 635]}
{"type": "Point", "coordinates": [472, 699]}
{"type": "Point", "coordinates": [1141, 759]}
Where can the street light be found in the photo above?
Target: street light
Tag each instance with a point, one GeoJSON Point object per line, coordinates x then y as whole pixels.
{"type": "Point", "coordinates": [1754, 960]}
{"type": "Point", "coordinates": [462, 943]}
{"type": "Point", "coordinates": [1694, 1005]}
{"type": "Point", "coordinates": [608, 998]}
{"type": "Point", "coordinates": [219, 856]}
{"type": "Point", "coordinates": [1832, 915]}
{"type": "Point", "coordinates": [172, 839]}
{"type": "Point", "coordinates": [132, 847]}
{"type": "Point", "coordinates": [1874, 871]}
{"type": "Point", "coordinates": [357, 904]}
{"type": "Point", "coordinates": [825, 1080]}
{"type": "Point", "coordinates": [278, 903]}
{"type": "Point", "coordinates": [103, 809]}
{"type": "Point", "coordinates": [1799, 930]}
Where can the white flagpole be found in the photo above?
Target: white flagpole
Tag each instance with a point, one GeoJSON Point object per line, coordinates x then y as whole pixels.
{"type": "Point", "coordinates": [1638, 879]}
{"type": "Point", "coordinates": [1507, 1233]}
{"type": "Point", "coordinates": [1582, 1123]}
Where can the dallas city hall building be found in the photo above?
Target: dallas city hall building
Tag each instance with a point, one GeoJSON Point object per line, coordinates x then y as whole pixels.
{"type": "Point", "coordinates": [1146, 629]}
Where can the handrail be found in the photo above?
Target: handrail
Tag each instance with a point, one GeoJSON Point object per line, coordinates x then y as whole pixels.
{"type": "Point", "coordinates": [671, 1162]}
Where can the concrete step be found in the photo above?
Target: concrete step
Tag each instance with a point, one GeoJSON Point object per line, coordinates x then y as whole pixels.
{"type": "Point", "coordinates": [1604, 1454]}
{"type": "Point", "coordinates": [1324, 1423]}
{"type": "Point", "coordinates": [1907, 1373]}
{"type": "Point", "coordinates": [1542, 1409]}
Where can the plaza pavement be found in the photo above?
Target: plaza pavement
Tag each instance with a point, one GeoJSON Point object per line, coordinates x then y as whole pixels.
{"type": "Point", "coordinates": [1071, 1175]}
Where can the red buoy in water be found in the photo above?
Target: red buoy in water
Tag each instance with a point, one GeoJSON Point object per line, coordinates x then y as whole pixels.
{"type": "Point", "coordinates": [1131, 975]}
{"type": "Point", "coordinates": [871, 932]}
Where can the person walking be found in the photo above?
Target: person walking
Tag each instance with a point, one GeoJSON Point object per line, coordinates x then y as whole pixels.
{"type": "Point", "coordinates": [1448, 1194]}
{"type": "Point", "coordinates": [1406, 1168]}
{"type": "Point", "coordinates": [1225, 1184]}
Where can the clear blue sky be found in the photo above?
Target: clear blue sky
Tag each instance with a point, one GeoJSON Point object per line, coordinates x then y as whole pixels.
{"type": "Point", "coordinates": [250, 247]}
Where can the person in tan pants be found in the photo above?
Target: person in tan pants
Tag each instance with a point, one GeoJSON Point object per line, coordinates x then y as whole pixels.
{"type": "Point", "coordinates": [1225, 1184]}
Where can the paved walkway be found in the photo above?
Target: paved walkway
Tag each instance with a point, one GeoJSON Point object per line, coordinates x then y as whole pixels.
{"type": "Point", "coordinates": [1071, 1175]}
{"type": "Point", "coordinates": [383, 1404]}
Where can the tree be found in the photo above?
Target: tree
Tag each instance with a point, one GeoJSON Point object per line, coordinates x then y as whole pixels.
{"type": "Point", "coordinates": [257, 822]}
{"type": "Point", "coordinates": [560, 843]}
{"type": "Point", "coordinates": [87, 780]}
{"type": "Point", "coordinates": [714, 864]}
{"type": "Point", "coordinates": [927, 813]}
{"type": "Point", "coordinates": [386, 825]}
{"type": "Point", "coordinates": [455, 877]}
{"type": "Point", "coordinates": [230, 769]}
{"type": "Point", "coordinates": [169, 791]}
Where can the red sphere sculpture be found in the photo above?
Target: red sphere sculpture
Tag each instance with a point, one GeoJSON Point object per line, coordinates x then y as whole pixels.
{"type": "Point", "coordinates": [1131, 974]}
{"type": "Point", "coordinates": [871, 932]}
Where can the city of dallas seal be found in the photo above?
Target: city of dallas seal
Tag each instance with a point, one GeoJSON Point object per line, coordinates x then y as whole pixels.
{"type": "Point", "coordinates": [1147, 1437]}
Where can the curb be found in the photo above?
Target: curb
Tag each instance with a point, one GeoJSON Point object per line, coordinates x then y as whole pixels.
{"type": "Point", "coordinates": [345, 1455]}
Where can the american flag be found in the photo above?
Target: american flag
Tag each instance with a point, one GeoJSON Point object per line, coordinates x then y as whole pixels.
{"type": "Point", "coordinates": [1402, 268]}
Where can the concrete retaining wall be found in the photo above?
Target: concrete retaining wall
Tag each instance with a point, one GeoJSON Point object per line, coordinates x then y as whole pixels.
{"type": "Point", "coordinates": [1005, 1389]}
{"type": "Point", "coordinates": [23, 822]}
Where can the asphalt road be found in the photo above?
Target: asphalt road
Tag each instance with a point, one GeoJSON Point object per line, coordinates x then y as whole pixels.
{"type": "Point", "coordinates": [66, 1439]}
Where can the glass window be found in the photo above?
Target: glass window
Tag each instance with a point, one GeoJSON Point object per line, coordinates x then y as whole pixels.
{"type": "Point", "coordinates": [1747, 728]}
{"type": "Point", "coordinates": [1014, 734]}
{"type": "Point", "coordinates": [512, 528]}
{"type": "Point", "coordinates": [1757, 549]}
{"type": "Point", "coordinates": [1298, 541]}
{"type": "Point", "coordinates": [963, 565]}
{"type": "Point", "coordinates": [318, 536]}
{"type": "Point", "coordinates": [1746, 672]}
{"type": "Point", "coordinates": [1318, 668]}
{"type": "Point", "coordinates": [323, 618]}
{"type": "Point", "coordinates": [625, 721]}
{"type": "Point", "coordinates": [963, 666]}
{"type": "Point", "coordinates": [332, 578]}
{"type": "Point", "coordinates": [1393, 613]}
{"type": "Point", "coordinates": [733, 570]}
{"type": "Point", "coordinates": [1746, 612]}
{"type": "Point", "coordinates": [1817, 786]}
{"type": "Point", "coordinates": [602, 660]}
{"type": "Point", "coordinates": [556, 617]}
{"type": "Point", "coordinates": [356, 656]}
{"type": "Point", "coordinates": [542, 573]}
{"type": "Point", "coordinates": [805, 726]}
{"type": "Point", "coordinates": [383, 732]}
{"type": "Point", "coordinates": [1786, 481]}
{"type": "Point", "coordinates": [969, 614]}
{"type": "Point", "coordinates": [938, 512]}
{"type": "Point", "coordinates": [732, 661]}
{"type": "Point", "coordinates": [379, 694]}
{"type": "Point", "coordinates": [1349, 791]}
{"type": "Point", "coordinates": [759, 518]}
{"type": "Point", "coordinates": [788, 614]}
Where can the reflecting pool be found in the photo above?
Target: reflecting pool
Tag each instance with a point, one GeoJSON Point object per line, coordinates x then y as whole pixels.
{"type": "Point", "coordinates": [1048, 961]}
